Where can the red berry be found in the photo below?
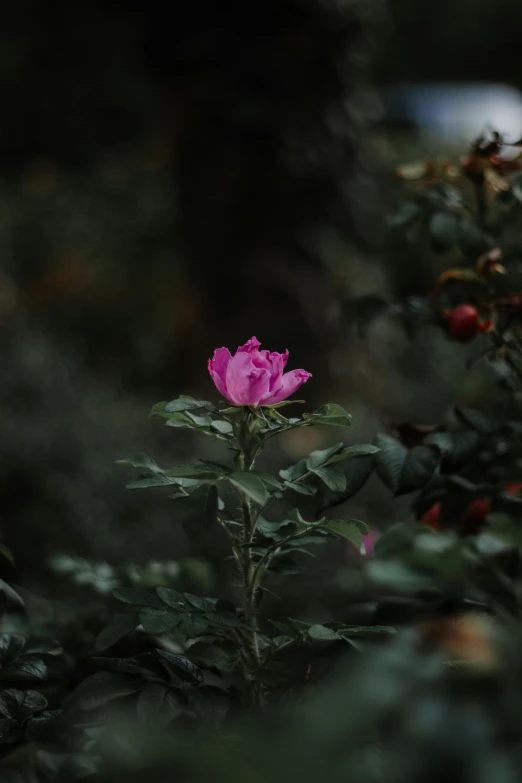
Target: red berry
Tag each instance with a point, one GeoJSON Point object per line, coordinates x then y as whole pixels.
{"type": "Point", "coordinates": [432, 518]}
{"type": "Point", "coordinates": [516, 301]}
{"type": "Point", "coordinates": [463, 322]}
{"type": "Point", "coordinates": [475, 514]}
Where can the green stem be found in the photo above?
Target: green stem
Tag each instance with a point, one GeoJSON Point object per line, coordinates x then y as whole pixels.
{"type": "Point", "coordinates": [248, 451]}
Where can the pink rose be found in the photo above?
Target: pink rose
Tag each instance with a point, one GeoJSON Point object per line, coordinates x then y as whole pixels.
{"type": "Point", "coordinates": [254, 377]}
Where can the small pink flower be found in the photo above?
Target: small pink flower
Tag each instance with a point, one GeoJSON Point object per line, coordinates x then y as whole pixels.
{"type": "Point", "coordinates": [254, 377]}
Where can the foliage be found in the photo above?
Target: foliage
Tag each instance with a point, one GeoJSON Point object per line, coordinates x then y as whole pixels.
{"type": "Point", "coordinates": [416, 675]}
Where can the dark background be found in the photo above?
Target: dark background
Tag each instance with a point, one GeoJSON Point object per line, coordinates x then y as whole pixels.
{"type": "Point", "coordinates": [174, 178]}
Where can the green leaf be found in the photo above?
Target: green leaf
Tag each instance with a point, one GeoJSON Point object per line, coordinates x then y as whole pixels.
{"type": "Point", "coordinates": [268, 479]}
{"type": "Point", "coordinates": [484, 422]}
{"type": "Point", "coordinates": [193, 625]}
{"type": "Point", "coordinates": [184, 403]}
{"type": "Point", "coordinates": [366, 630]}
{"type": "Point", "coordinates": [159, 703]}
{"type": "Point", "coordinates": [151, 480]}
{"type": "Point", "coordinates": [172, 598]}
{"type": "Point", "coordinates": [137, 596]}
{"type": "Point", "coordinates": [200, 472]}
{"type": "Point", "coordinates": [334, 479]}
{"type": "Point", "coordinates": [320, 457]}
{"type": "Point", "coordinates": [226, 619]}
{"type": "Point", "coordinates": [141, 461]}
{"type": "Point", "coordinates": [11, 646]}
{"type": "Point", "coordinates": [182, 666]}
{"type": "Point", "coordinates": [301, 487]}
{"type": "Point", "coordinates": [102, 687]}
{"type": "Point", "coordinates": [20, 705]}
{"type": "Point", "coordinates": [158, 621]}
{"type": "Point", "coordinates": [294, 471]}
{"type": "Point", "coordinates": [321, 633]}
{"type": "Point", "coordinates": [28, 666]}
{"type": "Point", "coordinates": [333, 415]}
{"type": "Point", "coordinates": [121, 625]}
{"type": "Point", "coordinates": [402, 469]}
{"type": "Point", "coordinates": [352, 452]}
{"type": "Point", "coordinates": [223, 427]}
{"type": "Point", "coordinates": [250, 485]}
{"type": "Point", "coordinates": [351, 529]}
{"type": "Point", "coordinates": [357, 473]}
{"type": "Point", "coordinates": [10, 597]}
{"type": "Point", "coordinates": [35, 646]}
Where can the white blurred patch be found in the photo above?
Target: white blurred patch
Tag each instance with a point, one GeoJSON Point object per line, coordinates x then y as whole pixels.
{"type": "Point", "coordinates": [457, 110]}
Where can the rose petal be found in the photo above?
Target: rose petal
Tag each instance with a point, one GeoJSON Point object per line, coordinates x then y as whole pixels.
{"type": "Point", "coordinates": [277, 365]}
{"type": "Point", "coordinates": [217, 367]}
{"type": "Point", "coordinates": [261, 359]}
{"type": "Point", "coordinates": [290, 382]}
{"type": "Point", "coordinates": [246, 383]}
{"type": "Point", "coordinates": [252, 345]}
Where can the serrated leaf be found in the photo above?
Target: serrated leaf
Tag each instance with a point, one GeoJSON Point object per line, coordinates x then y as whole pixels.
{"type": "Point", "coordinates": [121, 625]}
{"type": "Point", "coordinates": [185, 403]}
{"type": "Point", "coordinates": [151, 480]}
{"type": "Point", "coordinates": [334, 479]}
{"type": "Point", "coordinates": [250, 485]}
{"type": "Point", "coordinates": [172, 598]}
{"type": "Point", "coordinates": [158, 621]}
{"type": "Point", "coordinates": [226, 620]}
{"type": "Point", "coordinates": [199, 472]}
{"type": "Point", "coordinates": [402, 469]}
{"type": "Point", "coordinates": [333, 415]}
{"type": "Point", "coordinates": [137, 596]}
{"type": "Point", "coordinates": [193, 625]}
{"type": "Point", "coordinates": [352, 452]}
{"type": "Point", "coordinates": [321, 456]}
{"type": "Point", "coordinates": [321, 633]}
{"type": "Point", "coordinates": [141, 461]}
{"type": "Point", "coordinates": [351, 529]}
{"type": "Point", "coordinates": [29, 666]}
{"type": "Point", "coordinates": [294, 471]}
{"type": "Point", "coordinates": [267, 479]}
{"type": "Point", "coordinates": [301, 487]}
{"type": "Point", "coordinates": [182, 666]}
{"type": "Point", "coordinates": [223, 427]}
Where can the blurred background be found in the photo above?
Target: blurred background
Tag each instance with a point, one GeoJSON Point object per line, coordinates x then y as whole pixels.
{"type": "Point", "coordinates": [177, 179]}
